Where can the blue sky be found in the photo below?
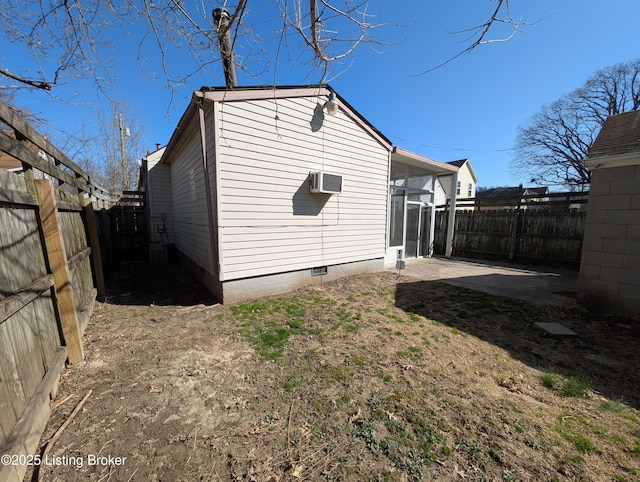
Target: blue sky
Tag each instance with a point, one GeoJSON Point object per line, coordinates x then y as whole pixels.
{"type": "Point", "coordinates": [470, 107]}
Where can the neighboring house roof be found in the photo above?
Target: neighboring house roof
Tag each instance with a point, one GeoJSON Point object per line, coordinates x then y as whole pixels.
{"type": "Point", "coordinates": [507, 195]}
{"type": "Point", "coordinates": [460, 163]}
{"type": "Point", "coordinates": [620, 134]}
{"type": "Point", "coordinates": [7, 161]}
{"type": "Point", "coordinates": [618, 143]}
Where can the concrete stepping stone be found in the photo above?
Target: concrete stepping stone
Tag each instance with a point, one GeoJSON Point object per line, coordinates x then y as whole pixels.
{"type": "Point", "coordinates": [603, 360]}
{"type": "Point", "coordinates": [556, 329]}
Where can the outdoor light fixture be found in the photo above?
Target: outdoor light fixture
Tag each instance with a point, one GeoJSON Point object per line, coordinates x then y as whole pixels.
{"type": "Point", "coordinates": [332, 104]}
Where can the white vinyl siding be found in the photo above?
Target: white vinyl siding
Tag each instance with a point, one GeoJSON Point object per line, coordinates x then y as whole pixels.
{"type": "Point", "coordinates": [268, 221]}
{"type": "Point", "coordinates": [159, 199]}
{"type": "Point", "coordinates": [189, 200]}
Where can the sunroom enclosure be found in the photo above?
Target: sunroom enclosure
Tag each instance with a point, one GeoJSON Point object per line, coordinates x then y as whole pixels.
{"type": "Point", "coordinates": [411, 215]}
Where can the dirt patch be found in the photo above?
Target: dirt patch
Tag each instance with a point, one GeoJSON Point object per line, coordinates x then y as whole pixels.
{"type": "Point", "coordinates": [370, 377]}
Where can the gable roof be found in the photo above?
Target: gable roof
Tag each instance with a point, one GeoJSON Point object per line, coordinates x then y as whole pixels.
{"type": "Point", "coordinates": [501, 193]}
{"type": "Point", "coordinates": [239, 94]}
{"type": "Point", "coordinates": [223, 94]}
{"type": "Point", "coordinates": [505, 194]}
{"type": "Point", "coordinates": [459, 163]}
{"type": "Point", "coordinates": [620, 134]}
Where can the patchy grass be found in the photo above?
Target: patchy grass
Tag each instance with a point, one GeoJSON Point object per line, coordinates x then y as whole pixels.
{"type": "Point", "coordinates": [617, 405]}
{"type": "Point", "coordinates": [408, 429]}
{"type": "Point", "coordinates": [572, 386]}
{"type": "Point", "coordinates": [370, 377]}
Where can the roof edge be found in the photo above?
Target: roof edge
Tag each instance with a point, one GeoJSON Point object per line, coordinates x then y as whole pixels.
{"type": "Point", "coordinates": [181, 127]}
{"type": "Point", "coordinates": [441, 166]}
{"type": "Point", "coordinates": [617, 160]}
{"type": "Point", "coordinates": [219, 94]}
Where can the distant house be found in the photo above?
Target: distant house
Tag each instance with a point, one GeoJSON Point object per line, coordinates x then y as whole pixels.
{"type": "Point", "coordinates": [7, 161]}
{"type": "Point", "coordinates": [262, 190]}
{"type": "Point", "coordinates": [500, 198]}
{"type": "Point", "coordinates": [610, 267]}
{"type": "Point", "coordinates": [465, 186]}
{"type": "Point", "coordinates": [13, 164]}
{"type": "Point", "coordinates": [158, 204]}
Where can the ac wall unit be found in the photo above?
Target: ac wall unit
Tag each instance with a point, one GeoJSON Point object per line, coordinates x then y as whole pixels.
{"type": "Point", "coordinates": [325, 182]}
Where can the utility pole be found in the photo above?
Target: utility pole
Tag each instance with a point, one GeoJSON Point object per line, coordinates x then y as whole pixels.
{"type": "Point", "coordinates": [123, 155]}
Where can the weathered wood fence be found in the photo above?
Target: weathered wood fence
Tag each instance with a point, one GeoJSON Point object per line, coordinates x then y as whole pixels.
{"type": "Point", "coordinates": [50, 274]}
{"type": "Point", "coordinates": [538, 237]}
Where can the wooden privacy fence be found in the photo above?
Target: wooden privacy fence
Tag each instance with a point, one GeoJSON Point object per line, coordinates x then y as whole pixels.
{"type": "Point", "coordinates": [538, 237]}
{"type": "Point", "coordinates": [48, 246]}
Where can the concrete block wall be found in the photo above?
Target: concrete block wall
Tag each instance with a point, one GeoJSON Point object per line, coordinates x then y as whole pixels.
{"type": "Point", "coordinates": [610, 267]}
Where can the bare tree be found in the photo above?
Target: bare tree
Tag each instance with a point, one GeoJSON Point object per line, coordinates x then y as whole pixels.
{"type": "Point", "coordinates": [112, 154]}
{"type": "Point", "coordinates": [552, 145]}
{"type": "Point", "coordinates": [481, 34]}
{"type": "Point", "coordinates": [70, 39]}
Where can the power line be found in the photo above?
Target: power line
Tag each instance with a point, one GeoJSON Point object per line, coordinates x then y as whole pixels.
{"type": "Point", "coordinates": [453, 148]}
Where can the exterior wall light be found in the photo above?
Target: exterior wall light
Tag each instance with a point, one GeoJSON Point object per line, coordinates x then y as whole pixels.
{"type": "Point", "coordinates": [332, 104]}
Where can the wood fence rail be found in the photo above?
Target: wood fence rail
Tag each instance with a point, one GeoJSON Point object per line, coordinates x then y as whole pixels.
{"type": "Point", "coordinates": [50, 274]}
{"type": "Point", "coordinates": [538, 237]}
{"type": "Point", "coordinates": [556, 201]}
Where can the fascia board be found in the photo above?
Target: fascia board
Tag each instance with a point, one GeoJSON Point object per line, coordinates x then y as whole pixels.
{"type": "Point", "coordinates": [620, 160]}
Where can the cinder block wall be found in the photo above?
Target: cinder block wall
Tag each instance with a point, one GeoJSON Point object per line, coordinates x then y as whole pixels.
{"type": "Point", "coordinates": [610, 266]}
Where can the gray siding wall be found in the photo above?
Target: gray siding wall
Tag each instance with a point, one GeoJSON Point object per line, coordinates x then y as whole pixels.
{"type": "Point", "coordinates": [610, 267]}
{"type": "Point", "coordinates": [268, 221]}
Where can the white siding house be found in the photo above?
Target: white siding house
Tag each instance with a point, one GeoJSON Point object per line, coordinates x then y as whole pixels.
{"type": "Point", "coordinates": [243, 216]}
{"type": "Point", "coordinates": [157, 185]}
{"type": "Point", "coordinates": [465, 185]}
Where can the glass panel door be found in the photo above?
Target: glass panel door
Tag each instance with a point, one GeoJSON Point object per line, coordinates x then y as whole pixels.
{"type": "Point", "coordinates": [412, 238]}
{"type": "Point", "coordinates": [427, 246]}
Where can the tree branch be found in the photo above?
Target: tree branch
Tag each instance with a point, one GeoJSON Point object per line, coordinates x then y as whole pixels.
{"type": "Point", "coordinates": [38, 84]}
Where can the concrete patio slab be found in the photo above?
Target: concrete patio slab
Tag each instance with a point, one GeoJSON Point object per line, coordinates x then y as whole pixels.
{"type": "Point", "coordinates": [535, 284]}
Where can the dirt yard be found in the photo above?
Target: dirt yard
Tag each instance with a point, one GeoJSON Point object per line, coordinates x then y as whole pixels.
{"type": "Point", "coordinates": [368, 378]}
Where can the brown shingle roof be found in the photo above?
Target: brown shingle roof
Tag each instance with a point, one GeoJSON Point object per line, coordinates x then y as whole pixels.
{"type": "Point", "coordinates": [7, 161]}
{"type": "Point", "coordinates": [620, 134]}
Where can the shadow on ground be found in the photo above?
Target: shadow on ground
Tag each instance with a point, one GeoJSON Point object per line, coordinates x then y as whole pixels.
{"type": "Point", "coordinates": [156, 284]}
{"type": "Point", "coordinates": [613, 342]}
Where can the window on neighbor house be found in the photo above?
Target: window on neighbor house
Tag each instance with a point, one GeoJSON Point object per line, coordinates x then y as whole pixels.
{"type": "Point", "coordinates": [458, 188]}
{"type": "Point", "coordinates": [470, 190]}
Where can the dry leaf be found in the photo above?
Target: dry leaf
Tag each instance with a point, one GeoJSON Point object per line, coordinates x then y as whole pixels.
{"type": "Point", "coordinates": [297, 472]}
{"type": "Point", "coordinates": [355, 416]}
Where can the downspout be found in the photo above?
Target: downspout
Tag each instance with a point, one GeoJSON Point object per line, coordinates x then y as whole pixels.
{"type": "Point", "coordinates": [432, 221]}
{"type": "Point", "coordinates": [452, 215]}
{"type": "Point", "coordinates": [213, 239]}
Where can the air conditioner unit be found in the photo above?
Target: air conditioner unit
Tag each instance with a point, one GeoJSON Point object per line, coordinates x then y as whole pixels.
{"type": "Point", "coordinates": [325, 182]}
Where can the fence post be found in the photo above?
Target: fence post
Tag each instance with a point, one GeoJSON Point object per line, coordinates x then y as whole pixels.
{"type": "Point", "coordinates": [57, 256]}
{"type": "Point", "coordinates": [94, 240]}
{"type": "Point", "coordinates": [515, 231]}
